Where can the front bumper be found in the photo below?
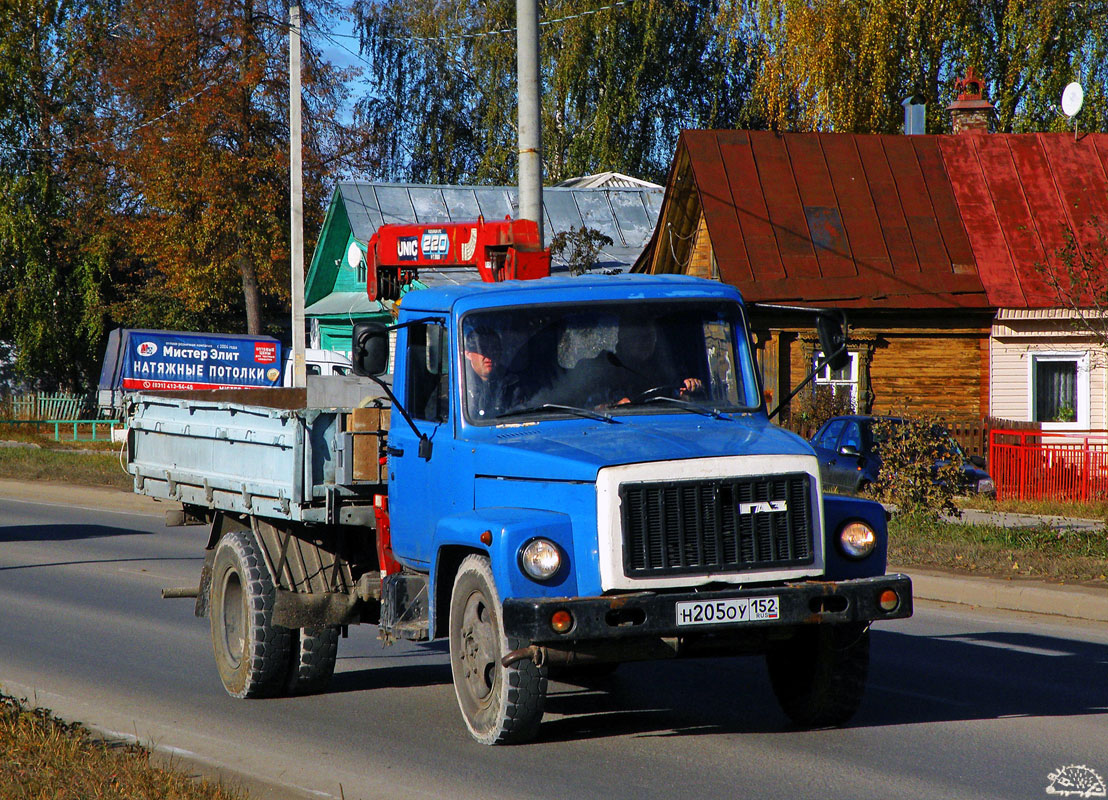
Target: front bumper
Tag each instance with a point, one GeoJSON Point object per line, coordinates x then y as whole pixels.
{"type": "Point", "coordinates": [654, 614]}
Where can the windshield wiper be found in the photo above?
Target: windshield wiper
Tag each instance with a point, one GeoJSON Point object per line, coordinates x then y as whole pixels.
{"type": "Point", "coordinates": [578, 411]}
{"type": "Point", "coordinates": [688, 405]}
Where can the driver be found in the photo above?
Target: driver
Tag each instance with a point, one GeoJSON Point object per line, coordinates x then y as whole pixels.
{"type": "Point", "coordinates": [489, 389]}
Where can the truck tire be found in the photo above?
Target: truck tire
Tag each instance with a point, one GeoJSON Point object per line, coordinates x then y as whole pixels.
{"type": "Point", "coordinates": [819, 676]}
{"type": "Point", "coordinates": [251, 653]}
{"type": "Point", "coordinates": [500, 705]}
{"type": "Point", "coordinates": [312, 655]}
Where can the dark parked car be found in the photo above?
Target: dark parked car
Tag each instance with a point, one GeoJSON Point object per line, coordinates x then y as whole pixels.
{"type": "Point", "coordinates": [849, 458]}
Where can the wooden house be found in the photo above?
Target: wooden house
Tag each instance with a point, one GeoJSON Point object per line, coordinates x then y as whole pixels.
{"type": "Point", "coordinates": [933, 245]}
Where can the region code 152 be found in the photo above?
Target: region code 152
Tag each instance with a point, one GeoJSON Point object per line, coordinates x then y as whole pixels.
{"type": "Point", "coordinates": [739, 609]}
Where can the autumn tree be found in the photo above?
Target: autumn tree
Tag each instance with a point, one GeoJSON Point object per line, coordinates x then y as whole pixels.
{"type": "Point", "coordinates": [202, 142]}
{"type": "Point", "coordinates": [56, 196]}
{"type": "Point", "coordinates": [619, 82]}
{"type": "Point", "coordinates": [846, 66]}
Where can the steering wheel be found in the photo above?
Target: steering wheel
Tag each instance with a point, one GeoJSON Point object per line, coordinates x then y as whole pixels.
{"type": "Point", "coordinates": [663, 390]}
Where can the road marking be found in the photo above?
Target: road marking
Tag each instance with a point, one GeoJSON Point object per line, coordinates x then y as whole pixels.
{"type": "Point", "coordinates": [81, 508]}
{"type": "Point", "coordinates": [1015, 648]}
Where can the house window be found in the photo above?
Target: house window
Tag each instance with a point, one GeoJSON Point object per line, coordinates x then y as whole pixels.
{"type": "Point", "coordinates": [843, 382]}
{"type": "Point", "coordinates": [1060, 389]}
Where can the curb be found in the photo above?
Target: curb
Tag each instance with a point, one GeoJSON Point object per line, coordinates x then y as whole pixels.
{"type": "Point", "coordinates": [1008, 519]}
{"type": "Point", "coordinates": [1077, 602]}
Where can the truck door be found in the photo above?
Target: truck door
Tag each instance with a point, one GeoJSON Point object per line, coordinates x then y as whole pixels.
{"type": "Point", "coordinates": [420, 491]}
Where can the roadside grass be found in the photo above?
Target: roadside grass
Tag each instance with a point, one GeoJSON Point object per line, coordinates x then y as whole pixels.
{"type": "Point", "coordinates": [43, 757]}
{"type": "Point", "coordinates": [35, 460]}
{"type": "Point", "coordinates": [1097, 509]}
{"type": "Point", "coordinates": [1037, 552]}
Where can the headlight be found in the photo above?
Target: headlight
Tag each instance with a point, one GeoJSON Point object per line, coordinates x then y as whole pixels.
{"type": "Point", "coordinates": [857, 539]}
{"type": "Point", "coordinates": [986, 486]}
{"type": "Point", "coordinates": [540, 559]}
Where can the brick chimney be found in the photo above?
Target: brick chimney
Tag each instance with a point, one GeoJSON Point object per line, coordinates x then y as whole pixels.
{"type": "Point", "coordinates": [970, 113]}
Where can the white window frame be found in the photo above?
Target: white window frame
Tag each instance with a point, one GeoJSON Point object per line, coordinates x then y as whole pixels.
{"type": "Point", "coordinates": [823, 377]}
{"type": "Point", "coordinates": [1081, 390]}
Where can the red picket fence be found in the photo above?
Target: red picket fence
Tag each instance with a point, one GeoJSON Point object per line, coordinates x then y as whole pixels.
{"type": "Point", "coordinates": [1049, 465]}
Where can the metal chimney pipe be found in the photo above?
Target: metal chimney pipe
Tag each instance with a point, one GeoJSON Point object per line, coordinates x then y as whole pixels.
{"type": "Point", "coordinates": [530, 112]}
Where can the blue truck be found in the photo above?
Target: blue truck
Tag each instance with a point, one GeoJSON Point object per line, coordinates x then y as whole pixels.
{"type": "Point", "coordinates": [555, 476]}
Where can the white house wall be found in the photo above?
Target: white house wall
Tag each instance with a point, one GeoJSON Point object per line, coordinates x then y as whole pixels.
{"type": "Point", "coordinates": [1013, 344]}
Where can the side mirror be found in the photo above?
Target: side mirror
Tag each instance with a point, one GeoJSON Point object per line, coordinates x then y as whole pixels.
{"type": "Point", "coordinates": [369, 349]}
{"type": "Point", "coordinates": [977, 461]}
{"type": "Point", "coordinates": [832, 340]}
{"type": "Point", "coordinates": [849, 450]}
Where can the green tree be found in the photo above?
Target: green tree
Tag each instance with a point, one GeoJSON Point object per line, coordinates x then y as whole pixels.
{"type": "Point", "coordinates": [619, 83]}
{"type": "Point", "coordinates": [1028, 50]}
{"type": "Point", "coordinates": [55, 196]}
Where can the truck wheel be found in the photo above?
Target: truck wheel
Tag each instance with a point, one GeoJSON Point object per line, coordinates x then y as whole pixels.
{"type": "Point", "coordinates": [312, 654]}
{"type": "Point", "coordinates": [251, 653]}
{"type": "Point", "coordinates": [819, 675]}
{"type": "Point", "coordinates": [500, 705]}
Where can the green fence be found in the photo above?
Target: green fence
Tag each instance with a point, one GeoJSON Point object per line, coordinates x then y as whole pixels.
{"type": "Point", "coordinates": [42, 406]}
{"type": "Point", "coordinates": [70, 430]}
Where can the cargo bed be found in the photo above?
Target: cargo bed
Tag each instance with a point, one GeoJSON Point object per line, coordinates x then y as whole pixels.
{"type": "Point", "coordinates": [305, 455]}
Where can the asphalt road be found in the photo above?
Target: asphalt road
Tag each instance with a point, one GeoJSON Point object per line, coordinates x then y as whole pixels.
{"type": "Point", "coordinates": [960, 703]}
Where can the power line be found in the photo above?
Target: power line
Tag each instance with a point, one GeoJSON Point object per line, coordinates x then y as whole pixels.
{"type": "Point", "coordinates": [124, 134]}
{"type": "Point", "coordinates": [456, 36]}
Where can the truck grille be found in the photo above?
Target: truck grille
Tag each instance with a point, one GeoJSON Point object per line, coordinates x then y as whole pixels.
{"type": "Point", "coordinates": [717, 525]}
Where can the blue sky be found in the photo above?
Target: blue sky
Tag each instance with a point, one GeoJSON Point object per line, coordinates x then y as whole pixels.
{"type": "Point", "coordinates": [340, 50]}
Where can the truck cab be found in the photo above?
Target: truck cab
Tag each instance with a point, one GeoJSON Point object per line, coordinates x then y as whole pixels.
{"type": "Point", "coordinates": [623, 492]}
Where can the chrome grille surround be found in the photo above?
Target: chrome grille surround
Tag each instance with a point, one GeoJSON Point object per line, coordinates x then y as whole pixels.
{"type": "Point", "coordinates": [666, 544]}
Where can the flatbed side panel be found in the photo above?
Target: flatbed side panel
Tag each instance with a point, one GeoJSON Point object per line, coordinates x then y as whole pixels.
{"type": "Point", "coordinates": [227, 456]}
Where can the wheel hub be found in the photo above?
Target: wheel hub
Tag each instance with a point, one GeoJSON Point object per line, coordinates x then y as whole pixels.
{"type": "Point", "coordinates": [478, 650]}
{"type": "Point", "coordinates": [234, 618]}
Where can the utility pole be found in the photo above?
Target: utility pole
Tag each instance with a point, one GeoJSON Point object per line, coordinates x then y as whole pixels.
{"type": "Point", "coordinates": [530, 112]}
{"type": "Point", "coordinates": [296, 199]}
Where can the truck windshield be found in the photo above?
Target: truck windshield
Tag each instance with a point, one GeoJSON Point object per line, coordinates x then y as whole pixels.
{"type": "Point", "coordinates": [615, 358]}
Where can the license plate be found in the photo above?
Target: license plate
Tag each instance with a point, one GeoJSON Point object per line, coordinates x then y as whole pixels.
{"type": "Point", "coordinates": [739, 609]}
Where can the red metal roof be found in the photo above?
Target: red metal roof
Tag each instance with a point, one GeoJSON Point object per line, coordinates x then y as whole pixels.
{"type": "Point", "coordinates": [896, 221]}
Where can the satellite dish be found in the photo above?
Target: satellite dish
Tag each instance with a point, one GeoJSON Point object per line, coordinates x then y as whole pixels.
{"type": "Point", "coordinates": [1072, 98]}
{"type": "Point", "coordinates": [354, 254]}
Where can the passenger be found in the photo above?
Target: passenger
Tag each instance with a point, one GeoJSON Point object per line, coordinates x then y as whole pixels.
{"type": "Point", "coordinates": [490, 390]}
{"type": "Point", "coordinates": [634, 372]}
